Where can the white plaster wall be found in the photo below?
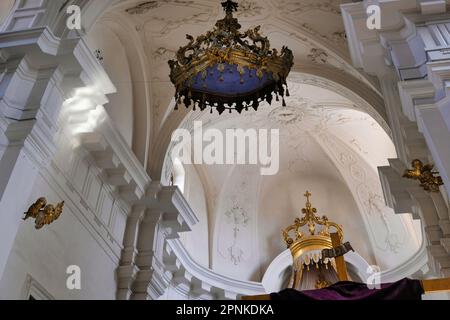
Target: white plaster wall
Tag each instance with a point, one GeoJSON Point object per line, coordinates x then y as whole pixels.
{"type": "Point", "coordinates": [88, 234]}
{"type": "Point", "coordinates": [45, 255]}
{"type": "Point", "coordinates": [197, 241]}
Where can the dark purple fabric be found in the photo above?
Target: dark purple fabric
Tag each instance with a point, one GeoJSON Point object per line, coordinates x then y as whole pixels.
{"type": "Point", "coordinates": [405, 289]}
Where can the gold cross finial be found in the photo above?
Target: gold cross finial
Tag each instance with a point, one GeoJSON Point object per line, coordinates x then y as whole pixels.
{"type": "Point", "coordinates": [308, 200]}
{"type": "Point", "coordinates": [307, 195]}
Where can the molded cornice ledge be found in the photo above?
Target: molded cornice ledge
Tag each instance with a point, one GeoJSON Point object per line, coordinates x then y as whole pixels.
{"type": "Point", "coordinates": [396, 42]}
{"type": "Point", "coordinates": [32, 81]}
{"type": "Point", "coordinates": [176, 214]}
{"type": "Point", "coordinates": [173, 201]}
{"type": "Point", "coordinates": [20, 42]}
{"type": "Point", "coordinates": [439, 75]}
{"type": "Point", "coordinates": [120, 168]}
{"type": "Point", "coordinates": [405, 196]}
{"type": "Point", "coordinates": [394, 187]}
{"type": "Point", "coordinates": [428, 103]}
{"type": "Point", "coordinates": [173, 267]}
{"type": "Point", "coordinates": [364, 44]}
{"type": "Point", "coordinates": [410, 91]}
{"type": "Point", "coordinates": [203, 281]}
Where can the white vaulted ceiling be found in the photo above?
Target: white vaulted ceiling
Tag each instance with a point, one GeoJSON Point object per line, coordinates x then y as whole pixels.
{"type": "Point", "coordinates": [330, 146]}
{"type": "Point", "coordinates": [334, 133]}
{"type": "Point", "coordinates": [152, 31]}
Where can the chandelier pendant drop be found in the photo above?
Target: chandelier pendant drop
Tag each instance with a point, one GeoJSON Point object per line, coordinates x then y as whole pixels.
{"type": "Point", "coordinates": [230, 70]}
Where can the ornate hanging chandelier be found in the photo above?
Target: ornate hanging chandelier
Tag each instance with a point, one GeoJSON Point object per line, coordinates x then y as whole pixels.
{"type": "Point", "coordinates": [230, 70]}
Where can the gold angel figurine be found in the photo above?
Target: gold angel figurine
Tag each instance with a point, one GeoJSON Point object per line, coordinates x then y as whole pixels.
{"type": "Point", "coordinates": [44, 214]}
{"type": "Point", "coordinates": [35, 208]}
{"type": "Point", "coordinates": [429, 180]}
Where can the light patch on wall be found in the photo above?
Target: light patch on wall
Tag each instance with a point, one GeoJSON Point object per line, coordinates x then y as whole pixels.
{"type": "Point", "coordinates": [94, 119]}
{"type": "Point", "coordinates": [83, 113]}
{"type": "Point", "coordinates": [179, 175]}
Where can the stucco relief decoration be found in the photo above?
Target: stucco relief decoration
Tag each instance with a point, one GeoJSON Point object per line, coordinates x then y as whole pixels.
{"type": "Point", "coordinates": [146, 6]}
{"type": "Point", "coordinates": [165, 24]}
{"type": "Point", "coordinates": [142, 7]}
{"type": "Point", "coordinates": [238, 218]}
{"type": "Point", "coordinates": [374, 204]}
{"type": "Point", "coordinates": [236, 222]}
{"type": "Point", "coordinates": [328, 117]}
{"type": "Point", "coordinates": [163, 54]}
{"type": "Point", "coordinates": [292, 115]}
{"type": "Point", "coordinates": [249, 9]}
{"type": "Point", "coordinates": [318, 56]}
{"type": "Point", "coordinates": [358, 146]}
{"type": "Point", "coordinates": [337, 36]}
{"type": "Point", "coordinates": [377, 215]}
{"type": "Point", "coordinates": [296, 7]}
{"type": "Point", "coordinates": [168, 25]}
{"type": "Point", "coordinates": [357, 172]}
{"type": "Point", "coordinates": [360, 104]}
{"type": "Point", "coordinates": [287, 115]}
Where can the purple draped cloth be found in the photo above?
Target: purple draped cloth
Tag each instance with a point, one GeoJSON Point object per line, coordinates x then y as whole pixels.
{"type": "Point", "coordinates": [405, 289]}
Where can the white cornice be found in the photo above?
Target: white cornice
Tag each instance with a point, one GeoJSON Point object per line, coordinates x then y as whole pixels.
{"type": "Point", "coordinates": [20, 41]}
{"type": "Point", "coordinates": [413, 89]}
{"type": "Point", "coordinates": [125, 154]}
{"type": "Point", "coordinates": [177, 203]}
{"type": "Point", "coordinates": [350, 13]}
{"type": "Point", "coordinates": [211, 278]}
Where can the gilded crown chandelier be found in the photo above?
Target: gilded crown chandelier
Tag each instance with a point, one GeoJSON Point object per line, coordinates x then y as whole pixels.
{"type": "Point", "coordinates": [230, 70]}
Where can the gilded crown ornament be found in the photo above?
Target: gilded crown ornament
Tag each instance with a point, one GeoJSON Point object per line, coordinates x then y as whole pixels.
{"type": "Point", "coordinates": [227, 69]}
{"type": "Point", "coordinates": [313, 239]}
{"type": "Point", "coordinates": [429, 180]}
{"type": "Point", "coordinates": [311, 245]}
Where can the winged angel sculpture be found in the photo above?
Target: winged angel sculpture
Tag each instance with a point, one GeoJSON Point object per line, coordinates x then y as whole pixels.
{"type": "Point", "coordinates": [429, 179]}
{"type": "Point", "coordinates": [43, 213]}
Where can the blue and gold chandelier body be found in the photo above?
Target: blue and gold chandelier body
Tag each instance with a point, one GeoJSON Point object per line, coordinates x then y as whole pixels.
{"type": "Point", "coordinates": [230, 70]}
